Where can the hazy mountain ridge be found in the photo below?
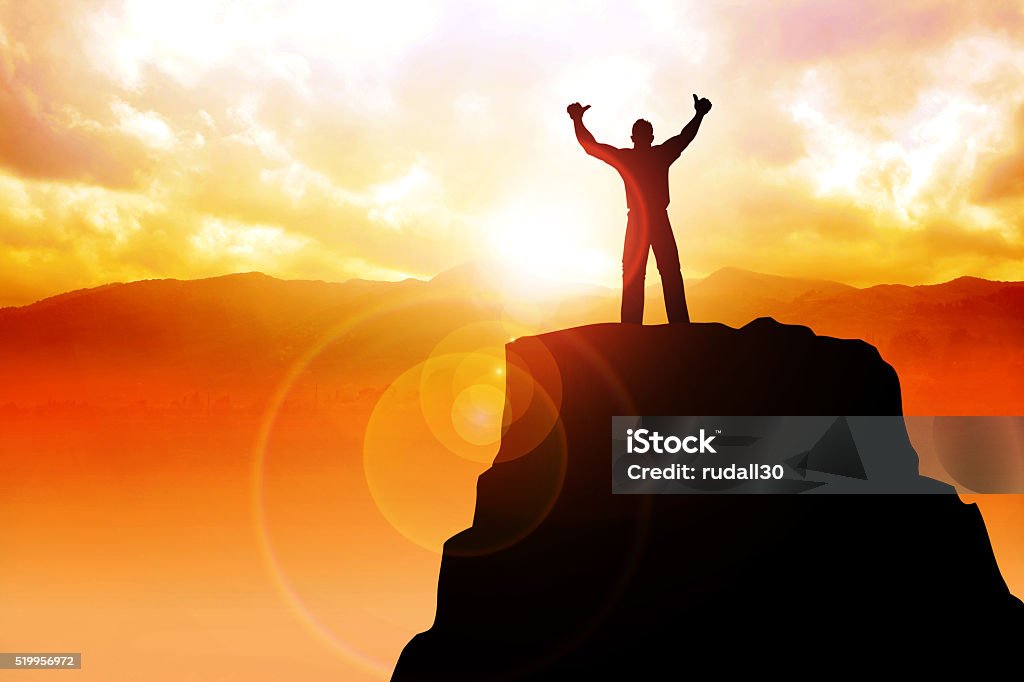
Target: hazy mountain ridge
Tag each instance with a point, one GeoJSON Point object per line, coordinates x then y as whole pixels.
{"type": "Point", "coordinates": [240, 332]}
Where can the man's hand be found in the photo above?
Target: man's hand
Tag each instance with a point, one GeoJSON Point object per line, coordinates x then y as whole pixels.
{"type": "Point", "coordinates": [701, 105]}
{"type": "Point", "coordinates": [576, 110]}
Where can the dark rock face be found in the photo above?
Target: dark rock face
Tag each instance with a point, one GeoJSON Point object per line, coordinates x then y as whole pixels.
{"type": "Point", "coordinates": [559, 579]}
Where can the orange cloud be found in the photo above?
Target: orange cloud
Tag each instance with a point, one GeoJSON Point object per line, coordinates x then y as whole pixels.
{"type": "Point", "coordinates": [866, 141]}
{"type": "Point", "coordinates": [1002, 174]}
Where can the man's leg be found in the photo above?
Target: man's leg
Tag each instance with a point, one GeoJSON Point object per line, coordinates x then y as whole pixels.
{"type": "Point", "coordinates": [667, 256]}
{"type": "Point", "coordinates": [634, 267]}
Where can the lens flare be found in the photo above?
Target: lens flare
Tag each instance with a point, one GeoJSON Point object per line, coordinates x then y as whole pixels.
{"type": "Point", "coordinates": [476, 414]}
{"type": "Point", "coordinates": [426, 441]}
{"type": "Point", "coordinates": [424, 488]}
{"type": "Point", "coordinates": [350, 330]}
{"type": "Point", "coordinates": [461, 401]}
{"type": "Point", "coordinates": [440, 425]}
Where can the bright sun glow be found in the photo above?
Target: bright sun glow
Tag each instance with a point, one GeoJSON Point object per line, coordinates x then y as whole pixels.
{"type": "Point", "coordinates": [541, 243]}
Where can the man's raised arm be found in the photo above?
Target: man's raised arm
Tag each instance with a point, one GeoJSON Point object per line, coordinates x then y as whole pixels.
{"type": "Point", "coordinates": [676, 145]}
{"type": "Point", "coordinates": [605, 152]}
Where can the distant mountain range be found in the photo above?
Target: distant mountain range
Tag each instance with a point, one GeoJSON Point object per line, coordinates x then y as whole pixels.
{"type": "Point", "coordinates": [958, 346]}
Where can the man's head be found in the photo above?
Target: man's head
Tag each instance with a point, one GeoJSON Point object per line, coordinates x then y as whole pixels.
{"type": "Point", "coordinates": [643, 133]}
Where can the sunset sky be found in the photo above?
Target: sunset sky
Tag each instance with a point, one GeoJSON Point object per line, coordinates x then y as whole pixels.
{"type": "Point", "coordinates": [866, 142]}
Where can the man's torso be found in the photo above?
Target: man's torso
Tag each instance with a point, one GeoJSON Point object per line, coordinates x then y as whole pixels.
{"type": "Point", "coordinates": [645, 174]}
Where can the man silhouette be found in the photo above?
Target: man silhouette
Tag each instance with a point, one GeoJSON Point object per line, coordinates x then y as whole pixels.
{"type": "Point", "coordinates": [644, 170]}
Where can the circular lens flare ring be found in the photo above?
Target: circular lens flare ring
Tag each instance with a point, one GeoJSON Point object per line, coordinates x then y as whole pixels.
{"type": "Point", "coordinates": [275, 567]}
